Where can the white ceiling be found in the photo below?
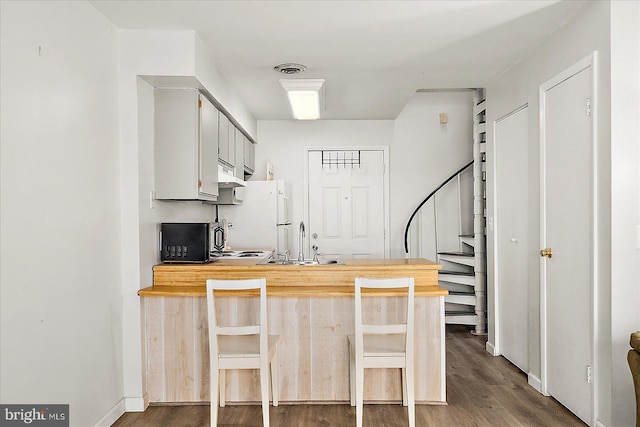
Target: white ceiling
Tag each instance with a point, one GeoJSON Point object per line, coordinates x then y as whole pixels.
{"type": "Point", "coordinates": [373, 54]}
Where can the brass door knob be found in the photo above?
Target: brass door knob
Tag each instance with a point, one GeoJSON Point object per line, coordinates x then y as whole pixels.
{"type": "Point", "coordinates": [548, 252]}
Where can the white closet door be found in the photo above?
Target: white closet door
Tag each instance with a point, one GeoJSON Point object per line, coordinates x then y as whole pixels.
{"type": "Point", "coordinates": [511, 224]}
{"type": "Point", "coordinates": [567, 220]}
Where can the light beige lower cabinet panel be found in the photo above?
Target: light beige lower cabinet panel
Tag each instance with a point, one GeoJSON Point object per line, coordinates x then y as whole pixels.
{"type": "Point", "coordinates": [313, 351]}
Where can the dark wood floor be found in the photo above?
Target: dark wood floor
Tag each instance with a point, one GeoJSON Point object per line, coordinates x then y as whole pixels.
{"type": "Point", "coordinates": [481, 391]}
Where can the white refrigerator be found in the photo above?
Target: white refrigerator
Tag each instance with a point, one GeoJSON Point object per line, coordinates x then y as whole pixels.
{"type": "Point", "coordinates": [263, 219]}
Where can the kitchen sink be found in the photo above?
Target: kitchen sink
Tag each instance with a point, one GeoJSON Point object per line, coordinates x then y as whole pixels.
{"type": "Point", "coordinates": [273, 261]}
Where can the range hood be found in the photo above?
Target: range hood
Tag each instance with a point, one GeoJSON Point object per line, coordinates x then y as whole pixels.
{"type": "Point", "coordinates": [227, 178]}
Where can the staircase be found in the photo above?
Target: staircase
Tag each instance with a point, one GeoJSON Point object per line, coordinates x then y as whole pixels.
{"type": "Point", "coordinates": [458, 245]}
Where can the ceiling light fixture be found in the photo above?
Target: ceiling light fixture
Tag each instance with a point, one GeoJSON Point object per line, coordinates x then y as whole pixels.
{"type": "Point", "coordinates": [305, 97]}
{"type": "Point", "coordinates": [290, 68]}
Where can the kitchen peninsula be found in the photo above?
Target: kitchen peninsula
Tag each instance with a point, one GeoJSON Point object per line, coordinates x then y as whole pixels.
{"type": "Point", "coordinates": [311, 307]}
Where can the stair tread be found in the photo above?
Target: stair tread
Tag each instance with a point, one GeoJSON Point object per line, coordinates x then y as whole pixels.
{"type": "Point", "coordinates": [466, 235]}
{"type": "Point", "coordinates": [467, 254]}
{"type": "Point", "coordinates": [459, 313]}
{"type": "Point", "coordinates": [458, 273]}
{"type": "Point", "coordinates": [462, 293]}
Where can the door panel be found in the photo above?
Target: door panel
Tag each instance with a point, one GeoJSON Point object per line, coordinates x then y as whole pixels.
{"type": "Point", "coordinates": [208, 167]}
{"type": "Point", "coordinates": [567, 219]}
{"type": "Point", "coordinates": [346, 205]}
{"type": "Point", "coordinates": [511, 136]}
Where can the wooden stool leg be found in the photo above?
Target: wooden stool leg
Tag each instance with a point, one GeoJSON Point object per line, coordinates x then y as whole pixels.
{"type": "Point", "coordinates": [410, 392]}
{"type": "Point", "coordinates": [359, 392]}
{"type": "Point", "coordinates": [352, 377]}
{"type": "Point", "coordinates": [404, 387]}
{"type": "Point", "coordinates": [213, 377]}
{"type": "Point", "coordinates": [275, 379]}
{"type": "Point", "coordinates": [264, 391]}
{"type": "Point", "coordinates": [223, 387]}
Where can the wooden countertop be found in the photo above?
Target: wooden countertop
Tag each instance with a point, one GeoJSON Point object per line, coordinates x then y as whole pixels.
{"type": "Point", "coordinates": [293, 280]}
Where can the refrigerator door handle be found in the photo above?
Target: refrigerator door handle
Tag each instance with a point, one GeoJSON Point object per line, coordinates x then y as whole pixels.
{"type": "Point", "coordinates": [285, 214]}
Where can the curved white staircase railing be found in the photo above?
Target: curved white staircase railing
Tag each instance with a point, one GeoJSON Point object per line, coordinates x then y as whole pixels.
{"type": "Point", "coordinates": [463, 257]}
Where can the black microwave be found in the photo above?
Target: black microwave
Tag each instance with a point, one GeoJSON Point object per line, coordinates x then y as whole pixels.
{"type": "Point", "coordinates": [184, 242]}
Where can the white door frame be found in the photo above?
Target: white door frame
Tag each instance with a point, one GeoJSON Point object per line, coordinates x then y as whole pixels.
{"type": "Point", "coordinates": [385, 152]}
{"type": "Point", "coordinates": [494, 348]}
{"type": "Point", "coordinates": [588, 62]}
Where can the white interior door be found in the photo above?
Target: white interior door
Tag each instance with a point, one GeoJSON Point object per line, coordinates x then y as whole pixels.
{"type": "Point", "coordinates": [346, 203]}
{"type": "Point", "coordinates": [511, 228]}
{"type": "Point", "coordinates": [567, 218]}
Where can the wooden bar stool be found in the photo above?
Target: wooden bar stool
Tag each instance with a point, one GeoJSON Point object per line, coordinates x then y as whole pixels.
{"type": "Point", "coordinates": [382, 345]}
{"type": "Point", "coordinates": [241, 347]}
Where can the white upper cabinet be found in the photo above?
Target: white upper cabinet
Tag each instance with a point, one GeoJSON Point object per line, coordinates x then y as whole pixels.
{"type": "Point", "coordinates": [186, 145]}
{"type": "Point", "coordinates": [208, 147]}
{"type": "Point", "coordinates": [227, 138]}
{"type": "Point", "coordinates": [249, 156]}
{"type": "Point", "coordinates": [239, 160]}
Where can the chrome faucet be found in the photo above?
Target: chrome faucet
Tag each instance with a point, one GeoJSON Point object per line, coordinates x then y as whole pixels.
{"type": "Point", "coordinates": [285, 255]}
{"type": "Point", "coordinates": [301, 243]}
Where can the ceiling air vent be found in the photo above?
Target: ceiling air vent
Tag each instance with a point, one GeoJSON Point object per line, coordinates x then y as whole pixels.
{"type": "Point", "coordinates": [290, 68]}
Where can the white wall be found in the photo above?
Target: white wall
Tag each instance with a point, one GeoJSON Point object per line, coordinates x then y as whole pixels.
{"type": "Point", "coordinates": [425, 153]}
{"type": "Point", "coordinates": [422, 152]}
{"type": "Point", "coordinates": [625, 200]}
{"type": "Point", "coordinates": [594, 28]}
{"type": "Point", "coordinates": [61, 307]}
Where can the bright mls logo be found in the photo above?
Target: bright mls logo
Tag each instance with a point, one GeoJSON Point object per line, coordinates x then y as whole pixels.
{"type": "Point", "coordinates": [34, 415]}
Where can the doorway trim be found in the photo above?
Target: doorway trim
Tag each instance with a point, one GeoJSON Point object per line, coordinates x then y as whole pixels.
{"type": "Point", "coordinates": [590, 61]}
{"type": "Point", "coordinates": [385, 189]}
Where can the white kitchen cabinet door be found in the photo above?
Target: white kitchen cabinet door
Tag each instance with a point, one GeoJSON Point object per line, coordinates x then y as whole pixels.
{"type": "Point", "coordinates": [208, 148]}
{"type": "Point", "coordinates": [223, 139]}
{"type": "Point", "coordinates": [231, 159]}
{"type": "Point", "coordinates": [249, 155]}
{"type": "Point", "coordinates": [185, 145]}
{"type": "Point", "coordinates": [239, 159]}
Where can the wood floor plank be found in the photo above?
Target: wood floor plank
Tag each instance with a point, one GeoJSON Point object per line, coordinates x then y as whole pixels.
{"type": "Point", "coordinates": [482, 391]}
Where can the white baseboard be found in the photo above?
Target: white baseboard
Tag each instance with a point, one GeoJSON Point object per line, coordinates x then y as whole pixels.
{"type": "Point", "coordinates": [136, 404]}
{"type": "Point", "coordinates": [600, 424]}
{"type": "Point", "coordinates": [535, 383]}
{"type": "Point", "coordinates": [111, 416]}
{"type": "Point", "coordinates": [491, 349]}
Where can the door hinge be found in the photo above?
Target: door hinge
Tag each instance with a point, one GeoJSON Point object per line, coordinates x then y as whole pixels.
{"type": "Point", "coordinates": [588, 106]}
{"type": "Point", "coordinates": [199, 103]}
{"type": "Point", "coordinates": [589, 375]}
